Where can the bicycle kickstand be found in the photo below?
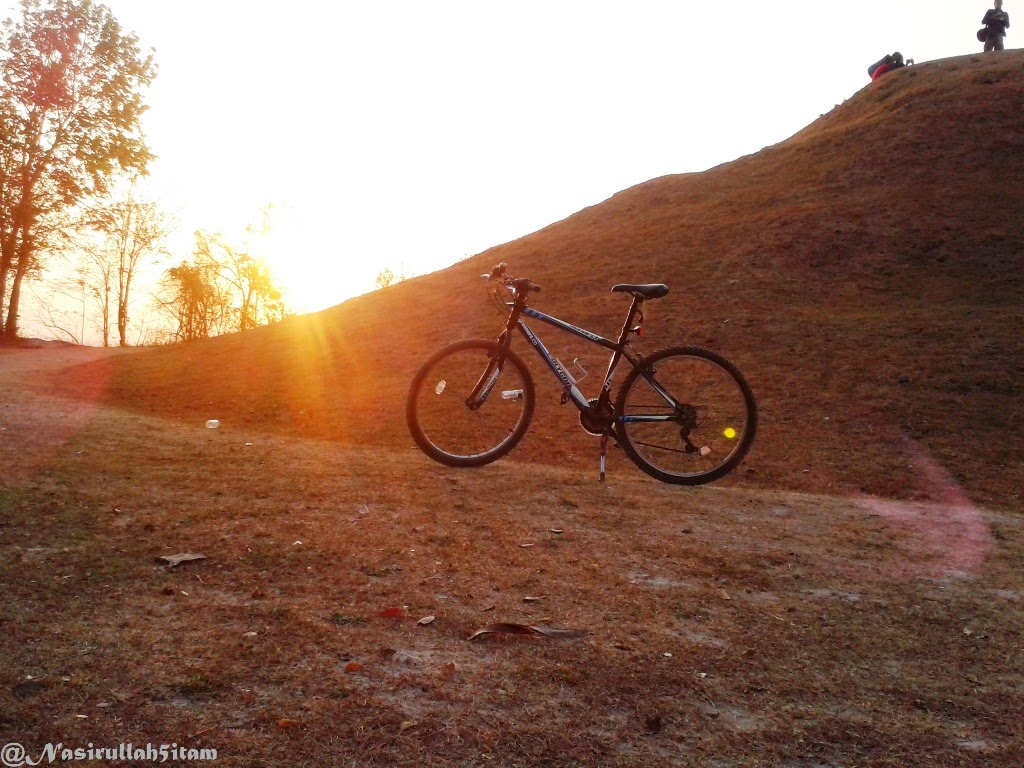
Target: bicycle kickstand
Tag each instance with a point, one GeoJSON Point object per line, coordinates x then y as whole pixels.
{"type": "Point", "coordinates": [604, 452]}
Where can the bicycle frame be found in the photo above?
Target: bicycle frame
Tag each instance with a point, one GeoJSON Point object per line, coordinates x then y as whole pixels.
{"type": "Point", "coordinates": [571, 390]}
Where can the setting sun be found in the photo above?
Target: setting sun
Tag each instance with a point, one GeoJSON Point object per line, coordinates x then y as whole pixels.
{"type": "Point", "coordinates": [313, 272]}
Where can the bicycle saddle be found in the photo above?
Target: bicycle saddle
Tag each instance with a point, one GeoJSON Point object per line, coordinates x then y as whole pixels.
{"type": "Point", "coordinates": [653, 291]}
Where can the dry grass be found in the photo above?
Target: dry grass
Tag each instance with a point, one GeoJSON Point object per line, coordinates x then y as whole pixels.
{"type": "Point", "coordinates": [852, 595]}
{"type": "Point", "coordinates": [724, 624]}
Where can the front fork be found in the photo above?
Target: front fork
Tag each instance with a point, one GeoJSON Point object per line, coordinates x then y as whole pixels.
{"type": "Point", "coordinates": [486, 382]}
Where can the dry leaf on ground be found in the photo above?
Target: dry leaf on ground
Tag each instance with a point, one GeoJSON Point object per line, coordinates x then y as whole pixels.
{"type": "Point", "coordinates": [176, 560]}
{"type": "Point", "coordinates": [510, 628]}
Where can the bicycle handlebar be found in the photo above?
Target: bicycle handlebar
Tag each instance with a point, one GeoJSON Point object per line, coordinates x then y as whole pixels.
{"type": "Point", "coordinates": [516, 284]}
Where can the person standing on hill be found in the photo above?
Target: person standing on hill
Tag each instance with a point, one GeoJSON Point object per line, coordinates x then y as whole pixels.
{"type": "Point", "coordinates": [996, 22]}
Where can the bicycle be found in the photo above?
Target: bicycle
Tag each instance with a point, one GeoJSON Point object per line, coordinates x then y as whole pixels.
{"type": "Point", "coordinates": [683, 415]}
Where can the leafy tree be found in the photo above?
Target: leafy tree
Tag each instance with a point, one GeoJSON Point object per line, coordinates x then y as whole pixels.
{"type": "Point", "coordinates": [386, 277]}
{"type": "Point", "coordinates": [70, 105]}
{"type": "Point", "coordinates": [199, 307]}
{"type": "Point", "coordinates": [223, 288]}
{"type": "Point", "coordinates": [258, 299]}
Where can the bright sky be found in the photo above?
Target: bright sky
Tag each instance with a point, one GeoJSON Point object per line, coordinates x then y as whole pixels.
{"type": "Point", "coordinates": [413, 134]}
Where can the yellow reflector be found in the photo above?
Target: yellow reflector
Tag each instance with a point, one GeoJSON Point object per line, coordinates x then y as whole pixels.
{"type": "Point", "coordinates": [730, 433]}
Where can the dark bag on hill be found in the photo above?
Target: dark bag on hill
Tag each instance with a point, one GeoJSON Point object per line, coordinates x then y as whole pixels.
{"type": "Point", "coordinates": [983, 35]}
{"type": "Point", "coordinates": [877, 64]}
{"type": "Point", "coordinates": [893, 60]}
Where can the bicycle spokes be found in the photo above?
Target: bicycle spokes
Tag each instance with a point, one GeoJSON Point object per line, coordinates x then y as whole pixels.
{"type": "Point", "coordinates": [454, 411]}
{"type": "Point", "coordinates": [687, 418]}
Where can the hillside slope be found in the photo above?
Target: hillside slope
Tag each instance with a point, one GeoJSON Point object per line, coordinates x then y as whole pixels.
{"type": "Point", "coordinates": [866, 275]}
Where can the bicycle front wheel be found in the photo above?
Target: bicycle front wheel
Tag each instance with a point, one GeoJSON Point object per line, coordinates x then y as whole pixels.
{"type": "Point", "coordinates": [686, 416]}
{"type": "Point", "coordinates": [467, 406]}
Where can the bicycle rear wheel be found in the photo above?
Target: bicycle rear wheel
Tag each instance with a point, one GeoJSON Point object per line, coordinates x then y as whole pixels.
{"type": "Point", "coordinates": [697, 433]}
{"type": "Point", "coordinates": [466, 408]}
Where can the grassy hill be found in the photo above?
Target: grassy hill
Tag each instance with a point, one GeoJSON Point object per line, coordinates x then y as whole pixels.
{"type": "Point", "coordinates": [865, 274]}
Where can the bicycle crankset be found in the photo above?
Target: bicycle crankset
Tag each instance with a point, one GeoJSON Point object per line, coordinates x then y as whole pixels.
{"type": "Point", "coordinates": [599, 419]}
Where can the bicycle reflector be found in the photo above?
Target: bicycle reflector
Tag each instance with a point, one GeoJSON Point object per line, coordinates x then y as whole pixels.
{"type": "Point", "coordinates": [638, 329]}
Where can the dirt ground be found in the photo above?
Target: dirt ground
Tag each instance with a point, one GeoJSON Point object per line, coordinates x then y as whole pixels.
{"type": "Point", "coordinates": [329, 620]}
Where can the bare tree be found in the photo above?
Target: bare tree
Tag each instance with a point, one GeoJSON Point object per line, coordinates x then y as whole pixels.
{"type": "Point", "coordinates": [115, 239]}
{"type": "Point", "coordinates": [63, 311]}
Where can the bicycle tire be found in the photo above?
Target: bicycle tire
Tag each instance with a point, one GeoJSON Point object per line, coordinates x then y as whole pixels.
{"type": "Point", "coordinates": [703, 439]}
{"type": "Point", "coordinates": [446, 428]}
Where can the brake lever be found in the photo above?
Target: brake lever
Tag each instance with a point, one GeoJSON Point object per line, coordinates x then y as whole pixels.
{"type": "Point", "coordinates": [497, 272]}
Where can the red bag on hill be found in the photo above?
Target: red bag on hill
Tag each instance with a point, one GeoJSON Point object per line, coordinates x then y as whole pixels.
{"type": "Point", "coordinates": [885, 64]}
